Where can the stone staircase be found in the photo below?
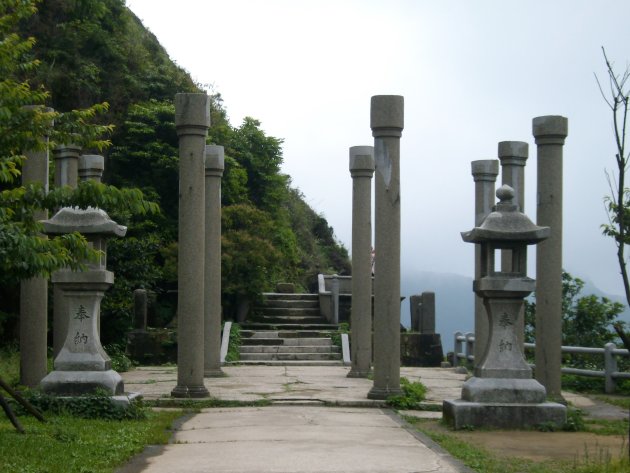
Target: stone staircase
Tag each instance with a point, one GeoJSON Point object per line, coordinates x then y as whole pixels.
{"type": "Point", "coordinates": [288, 329]}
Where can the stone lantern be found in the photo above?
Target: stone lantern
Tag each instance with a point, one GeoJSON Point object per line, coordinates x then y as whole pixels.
{"type": "Point", "coordinates": [502, 392]}
{"type": "Point", "coordinates": [82, 365]}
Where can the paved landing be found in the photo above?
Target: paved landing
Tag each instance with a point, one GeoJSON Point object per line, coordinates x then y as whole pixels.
{"type": "Point", "coordinates": [286, 384]}
{"type": "Point", "coordinates": [296, 439]}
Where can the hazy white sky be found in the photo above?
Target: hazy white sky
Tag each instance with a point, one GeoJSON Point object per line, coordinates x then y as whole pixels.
{"type": "Point", "coordinates": [473, 73]}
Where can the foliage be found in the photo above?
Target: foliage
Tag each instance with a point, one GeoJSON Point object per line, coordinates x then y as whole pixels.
{"type": "Point", "coordinates": [234, 344]}
{"type": "Point", "coordinates": [587, 320]}
{"type": "Point", "coordinates": [618, 201]}
{"type": "Point", "coordinates": [120, 361]}
{"type": "Point", "coordinates": [67, 444]}
{"type": "Point", "coordinates": [10, 365]}
{"type": "Point", "coordinates": [24, 122]}
{"type": "Point", "coordinates": [90, 406]}
{"type": "Point", "coordinates": [89, 52]}
{"type": "Point", "coordinates": [414, 393]}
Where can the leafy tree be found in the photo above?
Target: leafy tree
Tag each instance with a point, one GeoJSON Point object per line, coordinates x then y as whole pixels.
{"type": "Point", "coordinates": [618, 202]}
{"type": "Point", "coordinates": [23, 253]}
{"type": "Point", "coordinates": [586, 320]}
{"type": "Point", "coordinates": [250, 261]}
{"type": "Point", "coordinates": [24, 120]}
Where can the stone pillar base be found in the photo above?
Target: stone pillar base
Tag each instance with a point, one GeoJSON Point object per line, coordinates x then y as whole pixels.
{"type": "Point", "coordinates": [462, 414]}
{"type": "Point", "coordinates": [190, 392]}
{"type": "Point", "coordinates": [358, 374]}
{"type": "Point", "coordinates": [383, 393]}
{"type": "Point", "coordinates": [213, 373]}
{"type": "Point", "coordinates": [77, 383]}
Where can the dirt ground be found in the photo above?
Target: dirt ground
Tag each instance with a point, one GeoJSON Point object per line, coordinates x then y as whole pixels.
{"type": "Point", "coordinates": [541, 446]}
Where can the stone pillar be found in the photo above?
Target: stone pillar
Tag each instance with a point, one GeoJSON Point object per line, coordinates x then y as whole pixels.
{"type": "Point", "coordinates": [34, 291]}
{"type": "Point", "coordinates": [550, 133]}
{"type": "Point", "coordinates": [427, 312]}
{"type": "Point", "coordinates": [387, 123]}
{"type": "Point", "coordinates": [485, 175]}
{"type": "Point", "coordinates": [415, 309]}
{"type": "Point", "coordinates": [91, 167]}
{"type": "Point", "coordinates": [66, 158]}
{"type": "Point", "coordinates": [192, 119]}
{"type": "Point", "coordinates": [66, 165]}
{"type": "Point", "coordinates": [513, 156]}
{"type": "Point", "coordinates": [212, 313]}
{"type": "Point", "coordinates": [361, 170]}
{"type": "Point", "coordinates": [140, 306]}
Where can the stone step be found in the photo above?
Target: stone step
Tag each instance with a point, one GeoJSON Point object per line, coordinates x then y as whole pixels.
{"type": "Point", "coordinates": [287, 319]}
{"type": "Point", "coordinates": [286, 341]}
{"type": "Point", "coordinates": [269, 296]}
{"type": "Point", "coordinates": [289, 349]}
{"type": "Point", "coordinates": [284, 303]}
{"type": "Point", "coordinates": [290, 356]}
{"type": "Point", "coordinates": [287, 312]}
{"type": "Point", "coordinates": [289, 362]}
{"type": "Point", "coordinates": [275, 333]}
{"type": "Point", "coordinates": [288, 327]}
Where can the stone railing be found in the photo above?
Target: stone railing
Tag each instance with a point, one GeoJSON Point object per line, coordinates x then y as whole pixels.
{"type": "Point", "coordinates": [330, 287]}
{"type": "Point", "coordinates": [465, 344]}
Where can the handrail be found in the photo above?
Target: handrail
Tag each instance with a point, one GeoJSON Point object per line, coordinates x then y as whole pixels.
{"type": "Point", "coordinates": [464, 350]}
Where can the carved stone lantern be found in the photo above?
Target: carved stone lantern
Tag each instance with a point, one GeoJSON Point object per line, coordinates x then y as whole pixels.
{"type": "Point", "coordinates": [82, 365]}
{"type": "Point", "coordinates": [502, 392]}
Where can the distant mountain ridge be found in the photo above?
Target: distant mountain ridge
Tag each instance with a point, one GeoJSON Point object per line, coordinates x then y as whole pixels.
{"type": "Point", "coordinates": [454, 301]}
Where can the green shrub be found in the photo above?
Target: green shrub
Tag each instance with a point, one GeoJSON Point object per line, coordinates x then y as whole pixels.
{"type": "Point", "coordinates": [234, 346]}
{"type": "Point", "coordinates": [92, 406]}
{"type": "Point", "coordinates": [414, 393]}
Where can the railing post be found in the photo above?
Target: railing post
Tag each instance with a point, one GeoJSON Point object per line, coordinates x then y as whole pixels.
{"type": "Point", "coordinates": [470, 347]}
{"type": "Point", "coordinates": [610, 367]}
{"type": "Point", "coordinates": [457, 348]}
{"type": "Point", "coordinates": [335, 297]}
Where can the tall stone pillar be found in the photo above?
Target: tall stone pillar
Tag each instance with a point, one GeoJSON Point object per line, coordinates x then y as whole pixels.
{"type": "Point", "coordinates": [192, 119]}
{"type": "Point", "coordinates": [361, 170]}
{"type": "Point", "coordinates": [66, 159]}
{"type": "Point", "coordinates": [513, 156]}
{"type": "Point", "coordinates": [387, 123]}
{"type": "Point", "coordinates": [91, 167]}
{"type": "Point", "coordinates": [34, 291]}
{"type": "Point", "coordinates": [484, 173]}
{"type": "Point", "coordinates": [212, 314]}
{"type": "Point", "coordinates": [550, 133]}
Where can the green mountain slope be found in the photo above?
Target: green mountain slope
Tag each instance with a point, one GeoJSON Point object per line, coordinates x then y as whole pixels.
{"type": "Point", "coordinates": [98, 51]}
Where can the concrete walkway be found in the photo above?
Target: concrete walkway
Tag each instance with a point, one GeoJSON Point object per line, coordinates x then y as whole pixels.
{"type": "Point", "coordinates": [300, 432]}
{"type": "Point", "coordinates": [319, 421]}
{"type": "Point", "coordinates": [296, 439]}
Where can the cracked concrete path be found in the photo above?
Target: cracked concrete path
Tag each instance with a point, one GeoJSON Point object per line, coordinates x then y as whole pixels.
{"type": "Point", "coordinates": [296, 439]}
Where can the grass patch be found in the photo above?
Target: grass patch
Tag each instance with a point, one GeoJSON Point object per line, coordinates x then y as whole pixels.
{"type": "Point", "coordinates": [606, 426]}
{"type": "Point", "coordinates": [68, 444]}
{"type": "Point", "coordinates": [194, 404]}
{"type": "Point", "coordinates": [481, 460]}
{"type": "Point", "coordinates": [623, 402]}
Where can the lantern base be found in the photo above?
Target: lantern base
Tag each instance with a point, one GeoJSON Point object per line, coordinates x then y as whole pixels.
{"type": "Point", "coordinates": [503, 390]}
{"type": "Point", "coordinates": [77, 383]}
{"type": "Point", "coordinates": [462, 414]}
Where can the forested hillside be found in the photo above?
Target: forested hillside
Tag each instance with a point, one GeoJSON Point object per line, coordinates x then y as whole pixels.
{"type": "Point", "coordinates": [98, 51]}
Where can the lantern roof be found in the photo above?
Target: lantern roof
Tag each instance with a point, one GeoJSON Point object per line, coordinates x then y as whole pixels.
{"type": "Point", "coordinates": [506, 224]}
{"type": "Point", "coordinates": [90, 221]}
